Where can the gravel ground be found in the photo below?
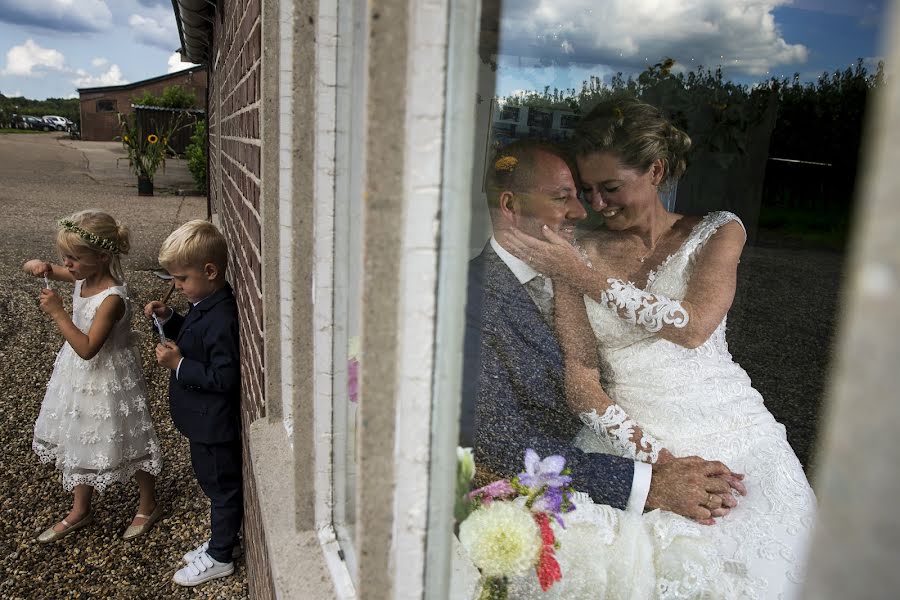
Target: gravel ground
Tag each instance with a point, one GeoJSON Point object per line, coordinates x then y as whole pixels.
{"type": "Point", "coordinates": [46, 177]}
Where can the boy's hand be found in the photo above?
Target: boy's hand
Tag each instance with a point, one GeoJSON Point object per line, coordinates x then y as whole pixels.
{"type": "Point", "coordinates": [158, 308]}
{"type": "Point", "coordinates": [38, 268]}
{"type": "Point", "coordinates": [51, 303]}
{"type": "Point", "coordinates": [168, 355]}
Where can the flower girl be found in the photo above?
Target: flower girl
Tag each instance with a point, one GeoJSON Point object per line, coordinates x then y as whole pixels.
{"type": "Point", "coordinates": [94, 422]}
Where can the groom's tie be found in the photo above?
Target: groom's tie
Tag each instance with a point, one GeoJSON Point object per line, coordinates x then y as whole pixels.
{"type": "Point", "coordinates": [540, 291]}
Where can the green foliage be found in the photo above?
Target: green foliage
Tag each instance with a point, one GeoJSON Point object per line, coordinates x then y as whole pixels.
{"type": "Point", "coordinates": [69, 108]}
{"type": "Point", "coordinates": [173, 96]}
{"type": "Point", "coordinates": [819, 121]}
{"type": "Point", "coordinates": [196, 155]}
{"type": "Point", "coordinates": [146, 151]}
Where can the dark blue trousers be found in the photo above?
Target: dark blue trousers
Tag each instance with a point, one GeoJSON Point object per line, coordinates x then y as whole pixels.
{"type": "Point", "coordinates": [218, 471]}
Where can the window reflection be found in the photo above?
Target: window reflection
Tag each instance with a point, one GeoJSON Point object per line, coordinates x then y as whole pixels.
{"type": "Point", "coordinates": [697, 176]}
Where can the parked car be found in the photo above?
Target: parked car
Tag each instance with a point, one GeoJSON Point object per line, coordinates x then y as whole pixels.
{"type": "Point", "coordinates": [38, 123]}
{"type": "Point", "coordinates": [59, 123]}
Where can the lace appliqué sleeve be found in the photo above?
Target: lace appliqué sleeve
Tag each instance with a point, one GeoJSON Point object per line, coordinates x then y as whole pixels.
{"type": "Point", "coordinates": [651, 311]}
{"type": "Point", "coordinates": [617, 429]}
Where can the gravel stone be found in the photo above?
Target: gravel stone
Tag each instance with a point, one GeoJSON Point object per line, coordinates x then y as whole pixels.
{"type": "Point", "coordinates": [45, 177]}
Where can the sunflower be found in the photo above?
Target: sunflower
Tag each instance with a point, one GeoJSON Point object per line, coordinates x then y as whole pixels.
{"type": "Point", "coordinates": [152, 138]}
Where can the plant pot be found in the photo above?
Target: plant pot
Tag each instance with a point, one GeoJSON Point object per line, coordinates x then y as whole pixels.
{"type": "Point", "coordinates": [145, 186]}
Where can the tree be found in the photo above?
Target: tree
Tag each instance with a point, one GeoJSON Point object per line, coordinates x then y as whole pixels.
{"type": "Point", "coordinates": [173, 96]}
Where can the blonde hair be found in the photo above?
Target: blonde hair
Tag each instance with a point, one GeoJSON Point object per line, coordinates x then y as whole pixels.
{"type": "Point", "coordinates": [637, 133]}
{"type": "Point", "coordinates": [194, 244]}
{"type": "Point", "coordinates": [97, 232]}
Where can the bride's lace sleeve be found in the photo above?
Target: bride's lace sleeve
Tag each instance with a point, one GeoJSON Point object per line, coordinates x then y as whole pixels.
{"type": "Point", "coordinates": [650, 311]}
{"type": "Point", "coordinates": [690, 320]}
{"type": "Point", "coordinates": [584, 394]}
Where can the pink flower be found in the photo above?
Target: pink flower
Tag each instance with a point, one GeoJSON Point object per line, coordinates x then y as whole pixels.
{"type": "Point", "coordinates": [353, 379]}
{"type": "Point", "coordinates": [498, 489]}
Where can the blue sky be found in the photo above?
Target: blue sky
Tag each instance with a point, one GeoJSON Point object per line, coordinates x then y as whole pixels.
{"type": "Point", "coordinates": [52, 47]}
{"type": "Point", "coordinates": [560, 43]}
{"type": "Point", "coordinates": [49, 48]}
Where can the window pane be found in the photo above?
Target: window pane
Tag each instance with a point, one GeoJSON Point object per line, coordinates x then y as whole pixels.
{"type": "Point", "coordinates": [348, 282]}
{"type": "Point", "coordinates": [642, 179]}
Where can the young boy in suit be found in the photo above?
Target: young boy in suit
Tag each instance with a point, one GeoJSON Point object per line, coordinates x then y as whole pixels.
{"type": "Point", "coordinates": [205, 387]}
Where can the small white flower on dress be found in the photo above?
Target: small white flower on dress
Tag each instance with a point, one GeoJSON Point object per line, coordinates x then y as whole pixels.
{"type": "Point", "coordinates": [89, 436]}
{"type": "Point", "coordinates": [101, 461]}
{"type": "Point", "coordinates": [123, 408]}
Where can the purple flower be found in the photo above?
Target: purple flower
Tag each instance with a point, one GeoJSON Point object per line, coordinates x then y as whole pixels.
{"type": "Point", "coordinates": [539, 473]}
{"type": "Point", "coordinates": [353, 379]}
{"type": "Point", "coordinates": [498, 489]}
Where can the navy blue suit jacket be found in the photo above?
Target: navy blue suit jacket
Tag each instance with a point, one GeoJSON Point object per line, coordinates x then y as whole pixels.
{"type": "Point", "coordinates": [513, 388]}
{"type": "Point", "coordinates": [205, 398]}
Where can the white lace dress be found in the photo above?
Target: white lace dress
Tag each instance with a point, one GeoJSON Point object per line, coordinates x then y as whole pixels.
{"type": "Point", "coordinates": [700, 402]}
{"type": "Point", "coordinates": [94, 422]}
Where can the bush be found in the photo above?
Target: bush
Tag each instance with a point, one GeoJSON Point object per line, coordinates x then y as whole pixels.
{"type": "Point", "coordinates": [196, 155]}
{"type": "Point", "coordinates": [173, 96]}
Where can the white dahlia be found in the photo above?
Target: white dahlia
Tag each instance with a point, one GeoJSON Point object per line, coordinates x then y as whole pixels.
{"type": "Point", "coordinates": [502, 539]}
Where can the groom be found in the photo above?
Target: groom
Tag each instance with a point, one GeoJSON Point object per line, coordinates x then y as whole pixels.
{"type": "Point", "coordinates": [513, 392]}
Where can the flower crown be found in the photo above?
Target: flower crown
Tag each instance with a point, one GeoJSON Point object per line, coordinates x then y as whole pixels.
{"type": "Point", "coordinates": [92, 238]}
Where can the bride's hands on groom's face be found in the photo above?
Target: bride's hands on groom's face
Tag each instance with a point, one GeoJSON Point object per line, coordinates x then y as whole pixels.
{"type": "Point", "coordinates": [553, 257]}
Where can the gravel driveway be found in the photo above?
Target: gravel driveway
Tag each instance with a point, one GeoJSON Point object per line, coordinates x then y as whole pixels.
{"type": "Point", "coordinates": [46, 176]}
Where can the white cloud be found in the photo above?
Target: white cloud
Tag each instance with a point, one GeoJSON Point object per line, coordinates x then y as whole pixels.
{"type": "Point", "coordinates": [112, 76]}
{"type": "Point", "coordinates": [99, 62]}
{"type": "Point", "coordinates": [628, 33]}
{"type": "Point", "coordinates": [25, 59]}
{"type": "Point", "coordinates": [59, 15]}
{"type": "Point", "coordinates": [152, 32]}
{"type": "Point", "coordinates": [175, 63]}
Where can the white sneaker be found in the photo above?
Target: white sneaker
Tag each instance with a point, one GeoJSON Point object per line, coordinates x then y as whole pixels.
{"type": "Point", "coordinates": [200, 570]}
{"type": "Point", "coordinates": [188, 557]}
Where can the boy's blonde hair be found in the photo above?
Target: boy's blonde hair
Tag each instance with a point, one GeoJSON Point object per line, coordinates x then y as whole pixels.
{"type": "Point", "coordinates": [97, 232]}
{"type": "Point", "coordinates": [194, 244]}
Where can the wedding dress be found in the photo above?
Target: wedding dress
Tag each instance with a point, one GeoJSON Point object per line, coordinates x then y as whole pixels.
{"type": "Point", "coordinates": [700, 402]}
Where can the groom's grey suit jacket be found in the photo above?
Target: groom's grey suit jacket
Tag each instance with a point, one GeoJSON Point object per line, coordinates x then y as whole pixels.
{"type": "Point", "coordinates": [513, 394]}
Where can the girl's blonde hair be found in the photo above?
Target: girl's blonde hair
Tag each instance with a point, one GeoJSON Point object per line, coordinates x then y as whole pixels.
{"type": "Point", "coordinates": [98, 232]}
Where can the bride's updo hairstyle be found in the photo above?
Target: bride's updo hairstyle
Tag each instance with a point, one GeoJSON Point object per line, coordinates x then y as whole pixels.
{"type": "Point", "coordinates": [97, 232]}
{"type": "Point", "coordinates": [637, 134]}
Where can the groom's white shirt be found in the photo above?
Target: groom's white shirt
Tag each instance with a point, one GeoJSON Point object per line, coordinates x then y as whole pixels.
{"type": "Point", "coordinates": [640, 486]}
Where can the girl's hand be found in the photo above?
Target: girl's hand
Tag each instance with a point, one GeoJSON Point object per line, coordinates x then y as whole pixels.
{"type": "Point", "coordinates": [51, 303]}
{"type": "Point", "coordinates": [38, 268]}
{"type": "Point", "coordinates": [157, 308]}
{"type": "Point", "coordinates": [552, 258]}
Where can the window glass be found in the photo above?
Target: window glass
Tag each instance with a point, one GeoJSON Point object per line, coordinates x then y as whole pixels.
{"type": "Point", "coordinates": [348, 276]}
{"type": "Point", "coordinates": [106, 106]}
{"type": "Point", "coordinates": [661, 201]}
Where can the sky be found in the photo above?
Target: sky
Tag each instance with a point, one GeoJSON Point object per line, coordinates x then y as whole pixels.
{"type": "Point", "coordinates": [561, 43]}
{"type": "Point", "coordinates": [50, 48]}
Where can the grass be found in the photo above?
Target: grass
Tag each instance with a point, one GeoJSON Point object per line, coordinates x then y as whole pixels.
{"type": "Point", "coordinates": [815, 227]}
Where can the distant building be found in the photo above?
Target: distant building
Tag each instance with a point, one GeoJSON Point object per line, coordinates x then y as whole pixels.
{"type": "Point", "coordinates": [99, 105]}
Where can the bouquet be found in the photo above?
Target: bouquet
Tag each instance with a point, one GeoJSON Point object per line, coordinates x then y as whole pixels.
{"type": "Point", "coordinates": [505, 525]}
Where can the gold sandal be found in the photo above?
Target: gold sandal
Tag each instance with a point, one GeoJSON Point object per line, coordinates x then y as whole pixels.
{"type": "Point", "coordinates": [136, 530]}
{"type": "Point", "coordinates": [52, 535]}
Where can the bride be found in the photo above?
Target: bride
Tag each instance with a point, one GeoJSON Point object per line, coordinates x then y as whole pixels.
{"type": "Point", "coordinates": [641, 310]}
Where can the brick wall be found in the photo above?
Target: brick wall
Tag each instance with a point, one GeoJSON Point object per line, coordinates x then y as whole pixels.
{"type": "Point", "coordinates": [104, 126]}
{"type": "Point", "coordinates": [234, 137]}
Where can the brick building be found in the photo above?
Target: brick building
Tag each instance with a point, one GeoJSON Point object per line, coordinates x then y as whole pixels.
{"type": "Point", "coordinates": [99, 105]}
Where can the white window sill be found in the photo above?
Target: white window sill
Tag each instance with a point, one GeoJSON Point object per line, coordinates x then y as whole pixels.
{"type": "Point", "coordinates": [296, 560]}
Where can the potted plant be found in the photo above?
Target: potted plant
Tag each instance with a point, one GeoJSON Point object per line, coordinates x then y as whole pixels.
{"type": "Point", "coordinates": [146, 150]}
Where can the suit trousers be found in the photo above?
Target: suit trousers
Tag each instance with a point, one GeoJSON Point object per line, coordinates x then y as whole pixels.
{"type": "Point", "coordinates": [218, 471]}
